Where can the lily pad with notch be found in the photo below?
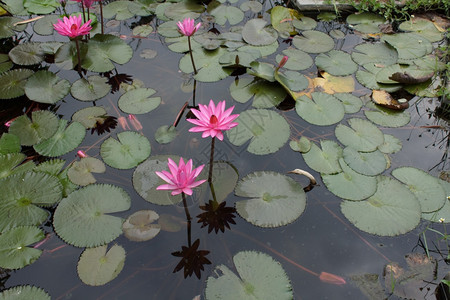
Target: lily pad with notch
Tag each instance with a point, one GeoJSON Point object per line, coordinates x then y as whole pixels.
{"type": "Point", "coordinates": [41, 6]}
{"type": "Point", "coordinates": [223, 13]}
{"type": "Point", "coordinates": [97, 266]}
{"type": "Point", "coordinates": [368, 78]}
{"type": "Point", "coordinates": [12, 83]}
{"type": "Point", "coordinates": [276, 199]}
{"type": "Point", "coordinates": [336, 62]}
{"type": "Point", "coordinates": [66, 139]}
{"type": "Point", "coordinates": [83, 218]}
{"type": "Point", "coordinates": [80, 172]}
{"type": "Point", "coordinates": [117, 9]}
{"type": "Point", "coordinates": [362, 135]}
{"type": "Point", "coordinates": [298, 59]}
{"type": "Point", "coordinates": [391, 144]}
{"type": "Point", "coordinates": [352, 104]}
{"type": "Point", "coordinates": [322, 109]}
{"type": "Point", "coordinates": [386, 117]}
{"type": "Point", "coordinates": [259, 276]}
{"type": "Point", "coordinates": [14, 253]}
{"type": "Point", "coordinates": [422, 27]}
{"type": "Point", "coordinates": [380, 53]}
{"type": "Point", "coordinates": [138, 101]}
{"type": "Point", "coordinates": [90, 89]}
{"type": "Point", "coordinates": [25, 291]}
{"type": "Point", "coordinates": [325, 160]}
{"type": "Point", "coordinates": [7, 27]}
{"type": "Point", "coordinates": [44, 26]}
{"type": "Point", "coordinates": [165, 134]}
{"type": "Point", "coordinates": [43, 125]}
{"type": "Point", "coordinates": [443, 214]}
{"type": "Point", "coordinates": [349, 184]}
{"type": "Point", "coordinates": [46, 87]}
{"type": "Point", "coordinates": [391, 211]}
{"type": "Point", "coordinates": [365, 22]}
{"type": "Point", "coordinates": [207, 63]}
{"type": "Point", "coordinates": [301, 145]}
{"type": "Point", "coordinates": [313, 41]}
{"type": "Point", "coordinates": [90, 116]}
{"type": "Point", "coordinates": [11, 163]}
{"type": "Point", "coordinates": [408, 45]}
{"type": "Point", "coordinates": [27, 54]}
{"type": "Point", "coordinates": [139, 226]}
{"type": "Point", "coordinates": [266, 130]}
{"type": "Point", "coordinates": [365, 163]}
{"type": "Point", "coordinates": [127, 151]}
{"type": "Point", "coordinates": [5, 63]}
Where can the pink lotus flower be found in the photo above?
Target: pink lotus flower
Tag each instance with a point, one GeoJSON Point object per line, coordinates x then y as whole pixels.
{"type": "Point", "coordinates": [181, 178]}
{"type": "Point", "coordinates": [72, 27]}
{"type": "Point", "coordinates": [187, 28]}
{"type": "Point", "coordinates": [212, 120]}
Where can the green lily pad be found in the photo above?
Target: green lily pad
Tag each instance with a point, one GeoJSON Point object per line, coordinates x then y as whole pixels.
{"type": "Point", "coordinates": [117, 9]}
{"type": "Point", "coordinates": [41, 6]}
{"type": "Point", "coordinates": [350, 185]}
{"type": "Point", "coordinates": [335, 62]}
{"type": "Point", "coordinates": [148, 53]}
{"type": "Point", "coordinates": [224, 179]}
{"type": "Point", "coordinates": [82, 219]}
{"type": "Point", "coordinates": [90, 89]}
{"type": "Point", "coordinates": [182, 10]}
{"type": "Point", "coordinates": [90, 116]}
{"type": "Point", "coordinates": [403, 74]}
{"type": "Point", "coordinates": [391, 211]}
{"type": "Point", "coordinates": [408, 45]}
{"type": "Point", "coordinates": [365, 22]}
{"type": "Point", "coordinates": [24, 292]}
{"type": "Point", "coordinates": [391, 144]}
{"type": "Point", "coordinates": [223, 13]}
{"type": "Point", "coordinates": [45, 87]}
{"type": "Point", "coordinates": [263, 50]}
{"type": "Point", "coordinates": [365, 163]}
{"type": "Point", "coordinates": [27, 54]}
{"type": "Point", "coordinates": [145, 181]}
{"type": "Point", "coordinates": [165, 134]}
{"type": "Point", "coordinates": [43, 125]}
{"type": "Point", "coordinates": [66, 139]}
{"type": "Point", "coordinates": [139, 226]}
{"type": "Point", "coordinates": [207, 64]}
{"type": "Point", "coordinates": [422, 27]}
{"type": "Point", "coordinates": [66, 56]}
{"type": "Point", "coordinates": [55, 167]}
{"type": "Point", "coordinates": [12, 83]}
{"type": "Point", "coordinates": [127, 151]}
{"type": "Point", "coordinates": [256, 33]}
{"type": "Point", "coordinates": [265, 94]}
{"type": "Point", "coordinates": [21, 196]}
{"type": "Point", "coordinates": [11, 164]}
{"type": "Point", "coordinates": [368, 78]}
{"type": "Point", "coordinates": [244, 59]}
{"type": "Point", "coordinates": [444, 212]}
{"type": "Point", "coordinates": [7, 28]}
{"type": "Point", "coordinates": [292, 81]}
{"type": "Point", "coordinates": [5, 63]}
{"type": "Point", "coordinates": [138, 101]}
{"type": "Point", "coordinates": [262, 70]}
{"type": "Point", "coordinates": [103, 49]}
{"type": "Point", "coordinates": [142, 30]}
{"type": "Point", "coordinates": [253, 6]}
{"type": "Point", "coordinates": [276, 199]}
{"type": "Point", "coordinates": [425, 187]}
{"type": "Point", "coordinates": [325, 160]}
{"type": "Point", "coordinates": [266, 130]}
{"type": "Point", "coordinates": [380, 53]}
{"type": "Point", "coordinates": [281, 19]}
{"type": "Point", "coordinates": [352, 104]}
{"type": "Point", "coordinates": [362, 136]}
{"type": "Point", "coordinates": [259, 277]}
{"type": "Point", "coordinates": [80, 172]}
{"type": "Point", "coordinates": [304, 23]}
{"type": "Point", "coordinates": [14, 252]}
{"type": "Point", "coordinates": [323, 109]}
{"type": "Point", "coordinates": [9, 143]}
{"type": "Point", "coordinates": [298, 59]}
{"type": "Point", "coordinates": [97, 266]}
{"type": "Point", "coordinates": [44, 26]}
{"type": "Point", "coordinates": [313, 41]}
{"type": "Point", "coordinates": [301, 145]}
{"type": "Point", "coordinates": [386, 117]}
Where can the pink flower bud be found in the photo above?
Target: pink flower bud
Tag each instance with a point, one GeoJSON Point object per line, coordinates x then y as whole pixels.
{"type": "Point", "coordinates": [135, 122]}
{"type": "Point", "coordinates": [81, 154]}
{"type": "Point", "coordinates": [283, 61]}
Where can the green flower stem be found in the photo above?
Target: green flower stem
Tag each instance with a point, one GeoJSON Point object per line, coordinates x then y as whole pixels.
{"type": "Point", "coordinates": [192, 56]}
{"type": "Point", "coordinates": [211, 164]}
{"type": "Point", "coordinates": [188, 218]}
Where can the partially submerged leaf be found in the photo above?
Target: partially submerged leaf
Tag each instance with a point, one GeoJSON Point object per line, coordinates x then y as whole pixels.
{"type": "Point", "coordinates": [385, 99]}
{"type": "Point", "coordinates": [139, 226]}
{"type": "Point", "coordinates": [80, 172]}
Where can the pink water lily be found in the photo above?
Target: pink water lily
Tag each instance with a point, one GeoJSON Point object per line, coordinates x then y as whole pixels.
{"type": "Point", "coordinates": [181, 178]}
{"type": "Point", "coordinates": [212, 120]}
{"type": "Point", "coordinates": [187, 27]}
{"type": "Point", "coordinates": [72, 27]}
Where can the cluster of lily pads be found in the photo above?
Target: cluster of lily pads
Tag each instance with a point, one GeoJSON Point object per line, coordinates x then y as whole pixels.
{"type": "Point", "coordinates": [353, 167]}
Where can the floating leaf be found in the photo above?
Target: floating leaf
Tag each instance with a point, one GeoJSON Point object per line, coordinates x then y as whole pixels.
{"type": "Point", "coordinates": [304, 23]}
{"type": "Point", "coordinates": [9, 143]}
{"type": "Point", "coordinates": [386, 117]}
{"type": "Point", "coordinates": [7, 28]}
{"type": "Point", "coordinates": [302, 145]}
{"type": "Point", "coordinates": [223, 13]}
{"type": "Point", "coordinates": [380, 53]}
{"type": "Point", "coordinates": [254, 6]}
{"type": "Point", "coordinates": [13, 251]}
{"type": "Point", "coordinates": [90, 89]}
{"type": "Point", "coordinates": [322, 109]}
{"type": "Point", "coordinates": [266, 94]}
{"type": "Point", "coordinates": [97, 266]}
{"type": "Point", "coordinates": [224, 179]}
{"type": "Point", "coordinates": [22, 194]}
{"type": "Point", "coordinates": [337, 63]}
{"type": "Point", "coordinates": [82, 219]}
{"type": "Point", "coordinates": [267, 131]}
{"type": "Point", "coordinates": [27, 54]}
{"type": "Point", "coordinates": [90, 116]}
{"type": "Point", "coordinates": [80, 172]}
{"type": "Point", "coordinates": [256, 33]}
{"type": "Point", "coordinates": [66, 139]}
{"type": "Point", "coordinates": [384, 99]}
{"type": "Point", "coordinates": [350, 185]}
{"type": "Point", "coordinates": [139, 226]}
{"type": "Point", "coordinates": [352, 104]}
{"type": "Point", "coordinates": [43, 125]}
{"type": "Point", "coordinates": [362, 136]}
{"type": "Point", "coordinates": [41, 6]}
{"type": "Point", "coordinates": [24, 292]}
{"type": "Point", "coordinates": [138, 101]}
{"type": "Point", "coordinates": [281, 19]}
{"type": "Point", "coordinates": [313, 41]}
{"type": "Point", "coordinates": [325, 161]}
{"type": "Point", "coordinates": [12, 83]}
{"type": "Point", "coordinates": [119, 9]}
{"type": "Point", "coordinates": [292, 82]}
{"type": "Point", "coordinates": [391, 144]}
{"type": "Point", "coordinates": [365, 22]}
{"type": "Point", "coordinates": [369, 80]}
{"type": "Point", "coordinates": [408, 45]}
{"type": "Point", "coordinates": [145, 180]}
{"type": "Point", "coordinates": [262, 70]}
{"type": "Point", "coordinates": [103, 49]}
{"type": "Point", "coordinates": [444, 212]}
{"type": "Point", "coordinates": [276, 199]}
{"type": "Point", "coordinates": [5, 63]}
{"type": "Point", "coordinates": [207, 63]}
{"type": "Point", "coordinates": [335, 84]}
{"type": "Point", "coordinates": [10, 164]}
{"type": "Point", "coordinates": [396, 74]}
{"type": "Point", "coordinates": [142, 30]}
{"type": "Point", "coordinates": [422, 27]}
{"type": "Point", "coordinates": [391, 211]}
{"type": "Point", "coordinates": [45, 87]}
{"type": "Point", "coordinates": [425, 187]}
{"type": "Point", "coordinates": [365, 163]}
{"type": "Point", "coordinates": [259, 277]}
{"type": "Point", "coordinates": [44, 26]}
{"type": "Point", "coordinates": [127, 151]}
{"type": "Point", "coordinates": [298, 60]}
{"type": "Point", "coordinates": [165, 134]}
{"type": "Point", "coordinates": [148, 53]}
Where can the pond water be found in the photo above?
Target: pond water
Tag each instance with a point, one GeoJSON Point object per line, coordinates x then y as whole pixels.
{"type": "Point", "coordinates": [321, 240]}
